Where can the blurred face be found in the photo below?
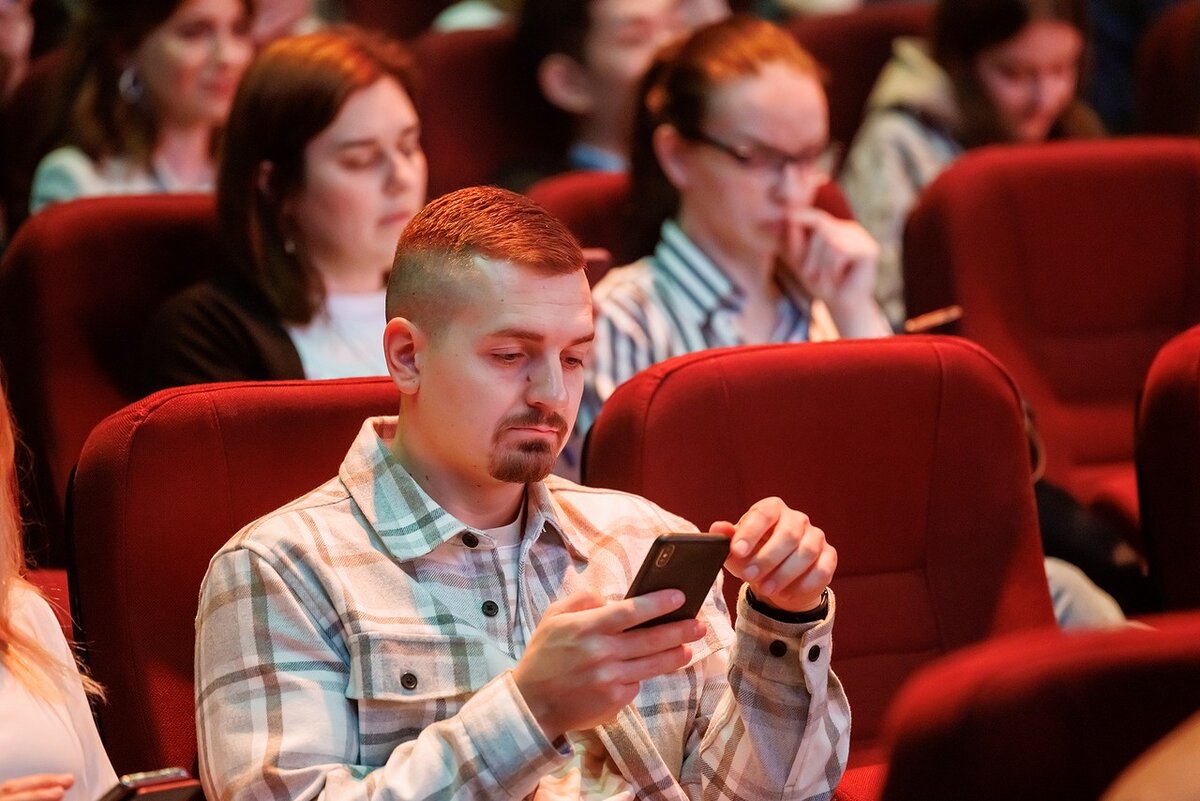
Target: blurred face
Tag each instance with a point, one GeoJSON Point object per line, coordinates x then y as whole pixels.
{"type": "Point", "coordinates": [621, 42]}
{"type": "Point", "coordinates": [364, 179]}
{"type": "Point", "coordinates": [1030, 79]}
{"type": "Point", "coordinates": [191, 64]}
{"type": "Point", "coordinates": [500, 382]}
{"type": "Point", "coordinates": [763, 153]}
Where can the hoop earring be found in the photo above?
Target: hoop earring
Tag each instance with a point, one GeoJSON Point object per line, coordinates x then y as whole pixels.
{"type": "Point", "coordinates": [130, 85]}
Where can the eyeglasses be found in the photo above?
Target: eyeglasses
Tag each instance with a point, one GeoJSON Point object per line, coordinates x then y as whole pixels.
{"type": "Point", "coordinates": [817, 164]}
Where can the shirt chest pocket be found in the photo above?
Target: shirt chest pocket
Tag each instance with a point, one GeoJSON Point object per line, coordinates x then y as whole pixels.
{"type": "Point", "coordinates": [404, 683]}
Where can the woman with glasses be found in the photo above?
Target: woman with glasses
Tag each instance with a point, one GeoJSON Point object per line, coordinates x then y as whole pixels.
{"type": "Point", "coordinates": [731, 145]}
{"type": "Point", "coordinates": [992, 71]}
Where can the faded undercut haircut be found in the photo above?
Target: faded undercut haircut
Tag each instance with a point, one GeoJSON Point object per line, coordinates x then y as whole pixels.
{"type": "Point", "coordinates": [436, 263]}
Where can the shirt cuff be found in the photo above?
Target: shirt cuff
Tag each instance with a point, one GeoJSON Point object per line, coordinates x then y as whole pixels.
{"type": "Point", "coordinates": [509, 740]}
{"type": "Point", "coordinates": [788, 653]}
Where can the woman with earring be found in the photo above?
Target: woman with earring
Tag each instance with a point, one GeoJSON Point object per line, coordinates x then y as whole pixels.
{"type": "Point", "coordinates": [148, 83]}
{"type": "Point", "coordinates": [49, 748]}
{"type": "Point", "coordinates": [321, 169]}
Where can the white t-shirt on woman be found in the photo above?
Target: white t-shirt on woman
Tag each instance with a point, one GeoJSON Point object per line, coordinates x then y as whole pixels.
{"type": "Point", "coordinates": [53, 732]}
{"type": "Point", "coordinates": [345, 338]}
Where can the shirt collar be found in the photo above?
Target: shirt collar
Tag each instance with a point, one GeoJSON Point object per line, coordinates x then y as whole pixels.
{"type": "Point", "coordinates": [408, 521]}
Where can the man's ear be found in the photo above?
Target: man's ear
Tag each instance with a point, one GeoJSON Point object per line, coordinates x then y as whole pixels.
{"type": "Point", "coordinates": [404, 346]}
{"type": "Point", "coordinates": [565, 83]}
{"type": "Point", "coordinates": [669, 149]}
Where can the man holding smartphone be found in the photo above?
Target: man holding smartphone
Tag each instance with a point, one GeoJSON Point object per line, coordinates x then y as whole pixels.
{"type": "Point", "coordinates": [445, 619]}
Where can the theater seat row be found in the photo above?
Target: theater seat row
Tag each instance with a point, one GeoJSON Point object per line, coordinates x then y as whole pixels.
{"type": "Point", "coordinates": [910, 452]}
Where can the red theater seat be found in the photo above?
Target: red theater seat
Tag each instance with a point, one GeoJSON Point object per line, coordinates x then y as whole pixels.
{"type": "Point", "coordinates": [1168, 470]}
{"type": "Point", "coordinates": [477, 114]}
{"type": "Point", "coordinates": [161, 485]}
{"type": "Point", "coordinates": [910, 453]}
{"type": "Point", "coordinates": [1073, 262]}
{"type": "Point", "coordinates": [853, 47]}
{"type": "Point", "coordinates": [1042, 715]}
{"type": "Point", "coordinates": [22, 144]}
{"type": "Point", "coordinates": [77, 287]}
{"type": "Point", "coordinates": [1166, 73]}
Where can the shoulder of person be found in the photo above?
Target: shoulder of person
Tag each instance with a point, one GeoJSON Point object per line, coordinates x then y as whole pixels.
{"type": "Point", "coordinates": [608, 511]}
{"type": "Point", "coordinates": [32, 613]}
{"type": "Point", "coordinates": [64, 174]}
{"type": "Point", "coordinates": [631, 283]}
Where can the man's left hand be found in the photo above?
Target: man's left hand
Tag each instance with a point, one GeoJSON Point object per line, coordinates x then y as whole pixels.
{"type": "Point", "coordinates": [780, 554]}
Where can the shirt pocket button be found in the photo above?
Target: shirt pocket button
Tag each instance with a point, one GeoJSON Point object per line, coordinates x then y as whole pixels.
{"type": "Point", "coordinates": [408, 681]}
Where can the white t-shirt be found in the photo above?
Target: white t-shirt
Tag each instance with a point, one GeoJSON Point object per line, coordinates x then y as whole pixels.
{"type": "Point", "coordinates": [345, 338]}
{"type": "Point", "coordinates": [52, 734]}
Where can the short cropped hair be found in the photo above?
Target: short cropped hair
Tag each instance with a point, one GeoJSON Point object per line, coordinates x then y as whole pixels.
{"type": "Point", "coordinates": [436, 259]}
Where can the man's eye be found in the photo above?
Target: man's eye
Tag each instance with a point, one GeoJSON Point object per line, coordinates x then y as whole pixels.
{"type": "Point", "coordinates": [507, 358]}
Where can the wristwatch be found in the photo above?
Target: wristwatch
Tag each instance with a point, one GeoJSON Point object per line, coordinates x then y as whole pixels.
{"type": "Point", "coordinates": [783, 616]}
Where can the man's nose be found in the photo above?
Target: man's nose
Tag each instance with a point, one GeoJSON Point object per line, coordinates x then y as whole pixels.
{"type": "Point", "coordinates": [547, 385]}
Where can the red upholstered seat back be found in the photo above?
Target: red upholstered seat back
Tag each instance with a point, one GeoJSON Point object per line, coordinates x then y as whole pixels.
{"type": "Point", "coordinates": [853, 47]}
{"type": "Point", "coordinates": [909, 453]}
{"type": "Point", "coordinates": [1074, 262]}
{"type": "Point", "coordinates": [595, 206]}
{"type": "Point", "coordinates": [161, 485]}
{"type": "Point", "coordinates": [77, 287]}
{"type": "Point", "coordinates": [22, 144]}
{"type": "Point", "coordinates": [1168, 470]}
{"type": "Point", "coordinates": [1166, 73]}
{"type": "Point", "coordinates": [477, 113]}
{"type": "Point", "coordinates": [1042, 715]}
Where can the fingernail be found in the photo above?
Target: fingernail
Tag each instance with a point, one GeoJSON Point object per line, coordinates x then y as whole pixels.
{"type": "Point", "coordinates": [768, 588]}
{"type": "Point", "coordinates": [741, 548]}
{"type": "Point", "coordinates": [751, 572]}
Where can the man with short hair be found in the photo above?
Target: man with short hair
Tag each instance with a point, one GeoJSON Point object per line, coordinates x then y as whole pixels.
{"type": "Point", "coordinates": [444, 619]}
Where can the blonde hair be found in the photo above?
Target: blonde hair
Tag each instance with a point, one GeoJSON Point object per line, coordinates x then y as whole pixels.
{"type": "Point", "coordinates": [20, 653]}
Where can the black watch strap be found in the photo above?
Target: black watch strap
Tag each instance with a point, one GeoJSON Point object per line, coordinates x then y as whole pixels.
{"type": "Point", "coordinates": [784, 616]}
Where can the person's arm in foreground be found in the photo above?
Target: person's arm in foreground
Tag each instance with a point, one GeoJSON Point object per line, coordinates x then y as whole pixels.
{"type": "Point", "coordinates": [1169, 771]}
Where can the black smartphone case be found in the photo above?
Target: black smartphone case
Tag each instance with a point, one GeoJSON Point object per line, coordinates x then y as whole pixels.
{"type": "Point", "coordinates": [686, 562]}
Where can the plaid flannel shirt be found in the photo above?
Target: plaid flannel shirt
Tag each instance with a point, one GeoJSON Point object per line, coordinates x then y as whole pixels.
{"type": "Point", "coordinates": [334, 660]}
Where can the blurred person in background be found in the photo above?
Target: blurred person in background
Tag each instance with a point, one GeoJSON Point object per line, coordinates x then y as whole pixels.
{"type": "Point", "coordinates": [992, 71]}
{"type": "Point", "coordinates": [586, 58]}
{"type": "Point", "coordinates": [49, 747]}
{"type": "Point", "coordinates": [16, 39]}
{"type": "Point", "coordinates": [321, 169]}
{"type": "Point", "coordinates": [148, 84]}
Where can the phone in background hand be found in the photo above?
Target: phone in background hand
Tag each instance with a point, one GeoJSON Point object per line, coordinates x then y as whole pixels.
{"type": "Point", "coordinates": [686, 562]}
{"type": "Point", "coordinates": [168, 784]}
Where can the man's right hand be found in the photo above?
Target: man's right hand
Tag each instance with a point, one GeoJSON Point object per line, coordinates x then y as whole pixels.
{"type": "Point", "coordinates": [582, 665]}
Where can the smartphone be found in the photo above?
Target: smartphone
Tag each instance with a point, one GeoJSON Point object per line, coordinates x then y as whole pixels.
{"type": "Point", "coordinates": [168, 784]}
{"type": "Point", "coordinates": [686, 562]}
